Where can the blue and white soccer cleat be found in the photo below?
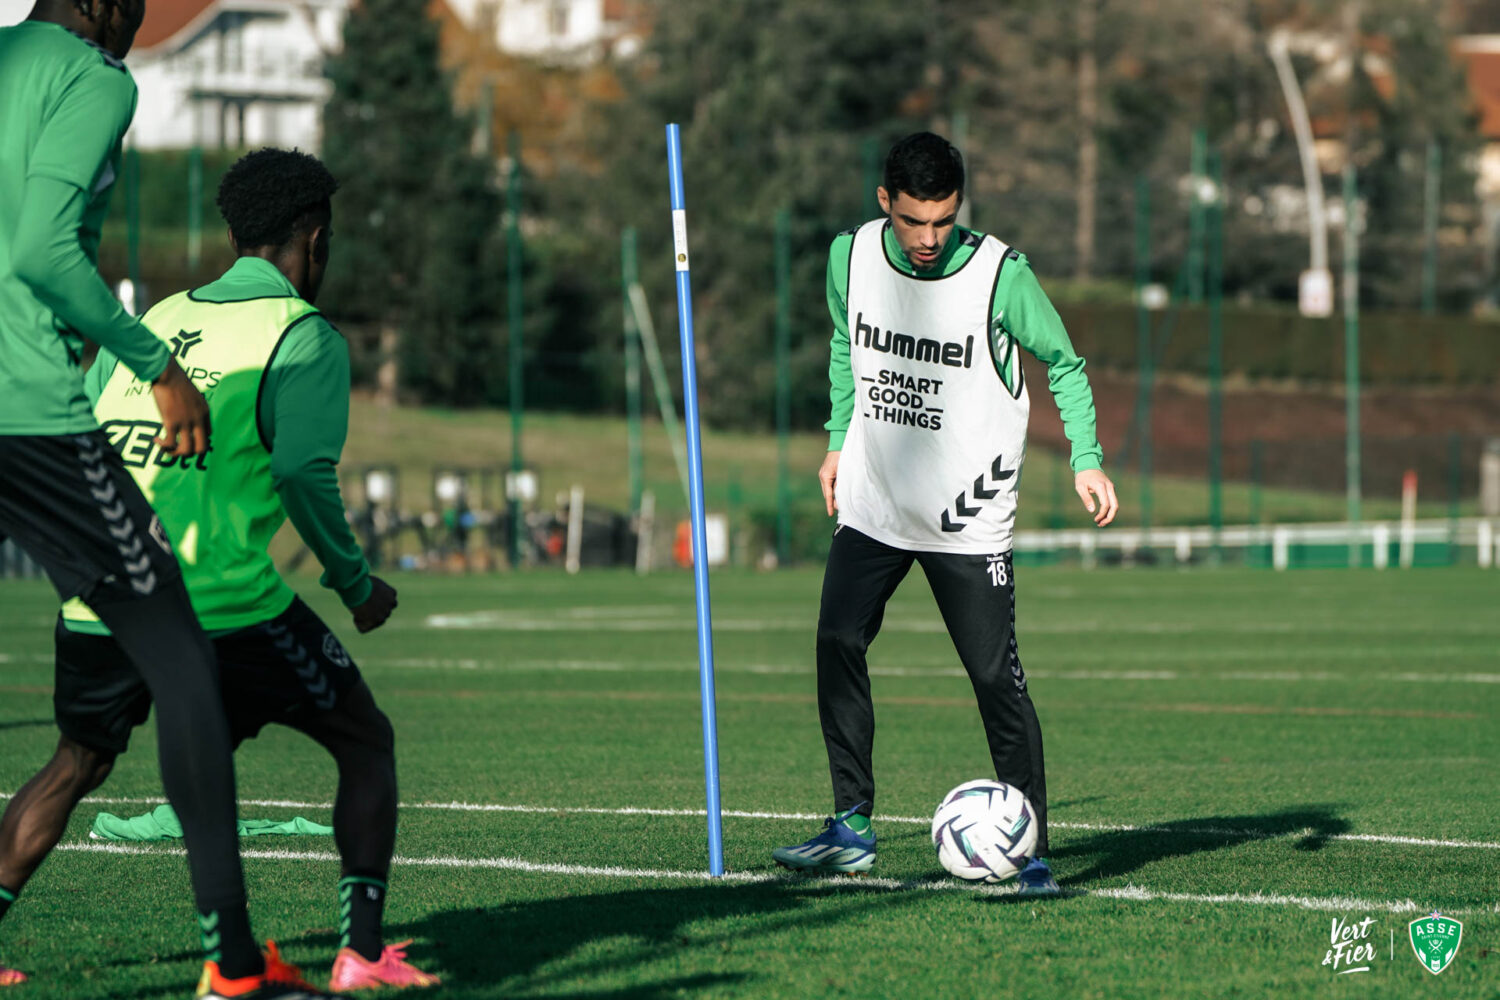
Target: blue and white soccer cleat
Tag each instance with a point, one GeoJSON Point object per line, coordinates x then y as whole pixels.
{"type": "Point", "coordinates": [837, 849]}
{"type": "Point", "coordinates": [1036, 880]}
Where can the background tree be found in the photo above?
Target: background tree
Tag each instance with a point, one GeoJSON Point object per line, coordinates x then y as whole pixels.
{"type": "Point", "coordinates": [776, 105]}
{"type": "Point", "coordinates": [1409, 91]}
{"type": "Point", "coordinates": [416, 212]}
{"type": "Point", "coordinates": [791, 104]}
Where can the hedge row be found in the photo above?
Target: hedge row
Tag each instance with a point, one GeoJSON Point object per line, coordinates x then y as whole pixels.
{"type": "Point", "coordinates": [1269, 342]}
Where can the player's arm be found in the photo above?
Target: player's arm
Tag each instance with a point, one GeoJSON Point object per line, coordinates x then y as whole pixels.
{"type": "Point", "coordinates": [72, 156]}
{"type": "Point", "coordinates": [51, 261]}
{"type": "Point", "coordinates": [1029, 317]}
{"type": "Point", "coordinates": [840, 373]}
{"type": "Point", "coordinates": [304, 419]}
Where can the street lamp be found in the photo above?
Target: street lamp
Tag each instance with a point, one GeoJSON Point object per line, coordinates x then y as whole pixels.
{"type": "Point", "coordinates": [1315, 287]}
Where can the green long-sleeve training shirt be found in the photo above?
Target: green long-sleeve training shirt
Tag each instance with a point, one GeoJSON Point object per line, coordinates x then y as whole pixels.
{"type": "Point", "coordinates": [304, 412]}
{"type": "Point", "coordinates": [64, 107]}
{"type": "Point", "coordinates": [1019, 306]}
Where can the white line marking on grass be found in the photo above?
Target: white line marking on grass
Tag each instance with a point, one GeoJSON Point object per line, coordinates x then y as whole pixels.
{"type": "Point", "coordinates": [507, 864]}
{"type": "Point", "coordinates": [1252, 834]}
{"type": "Point", "coordinates": [659, 617]}
{"type": "Point", "coordinates": [1265, 899]}
{"type": "Point", "coordinates": [927, 821]}
{"type": "Point", "coordinates": [1460, 678]}
{"type": "Point", "coordinates": [618, 666]}
{"type": "Point", "coordinates": [516, 666]}
{"type": "Point", "coordinates": [1129, 893]}
{"type": "Point", "coordinates": [612, 619]}
{"type": "Point", "coordinates": [1044, 674]}
{"type": "Point", "coordinates": [1248, 833]}
{"type": "Point", "coordinates": [670, 618]}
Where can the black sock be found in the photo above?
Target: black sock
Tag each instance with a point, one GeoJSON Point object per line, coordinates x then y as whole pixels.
{"type": "Point", "coordinates": [7, 896]}
{"type": "Point", "coordinates": [361, 905]}
{"type": "Point", "coordinates": [225, 933]}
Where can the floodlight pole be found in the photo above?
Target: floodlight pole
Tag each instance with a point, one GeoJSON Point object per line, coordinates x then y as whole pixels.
{"type": "Point", "coordinates": [961, 143]}
{"type": "Point", "coordinates": [628, 279]}
{"type": "Point", "coordinates": [1257, 467]}
{"type": "Point", "coordinates": [195, 209]}
{"type": "Point", "coordinates": [1431, 190]}
{"type": "Point", "coordinates": [1312, 178]}
{"type": "Point", "coordinates": [1143, 349]}
{"type": "Point", "coordinates": [659, 383]}
{"type": "Point", "coordinates": [517, 353]}
{"type": "Point", "coordinates": [133, 226]}
{"type": "Point", "coordinates": [869, 153]}
{"type": "Point", "coordinates": [1455, 487]}
{"type": "Point", "coordinates": [783, 383]}
{"type": "Point", "coordinates": [1216, 359]}
{"type": "Point", "coordinates": [1351, 361]}
{"type": "Point", "coordinates": [1196, 210]}
{"type": "Point", "coordinates": [695, 498]}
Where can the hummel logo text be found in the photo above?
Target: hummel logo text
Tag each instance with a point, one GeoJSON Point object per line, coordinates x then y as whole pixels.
{"type": "Point", "coordinates": [904, 345]}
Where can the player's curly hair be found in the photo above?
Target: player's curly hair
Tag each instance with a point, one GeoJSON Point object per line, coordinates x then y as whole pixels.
{"type": "Point", "coordinates": [133, 9]}
{"type": "Point", "coordinates": [270, 195]}
{"type": "Point", "coordinates": [925, 166]}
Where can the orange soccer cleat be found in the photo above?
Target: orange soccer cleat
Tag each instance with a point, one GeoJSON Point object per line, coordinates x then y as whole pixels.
{"type": "Point", "coordinates": [280, 981]}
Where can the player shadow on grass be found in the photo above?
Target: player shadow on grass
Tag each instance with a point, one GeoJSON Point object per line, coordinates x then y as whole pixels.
{"type": "Point", "coordinates": [1112, 853]}
{"type": "Point", "coordinates": [640, 936]}
{"type": "Point", "coordinates": [631, 945]}
{"type": "Point", "coordinates": [26, 723]}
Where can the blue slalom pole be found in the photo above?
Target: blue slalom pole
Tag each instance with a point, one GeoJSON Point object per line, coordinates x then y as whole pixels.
{"type": "Point", "coordinates": [695, 501]}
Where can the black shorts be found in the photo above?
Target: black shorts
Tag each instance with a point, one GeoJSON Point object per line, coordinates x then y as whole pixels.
{"type": "Point", "coordinates": [68, 502]}
{"type": "Point", "coordinates": [283, 670]}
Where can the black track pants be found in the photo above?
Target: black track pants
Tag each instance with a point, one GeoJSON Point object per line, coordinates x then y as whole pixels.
{"type": "Point", "coordinates": [976, 595]}
{"type": "Point", "coordinates": [70, 504]}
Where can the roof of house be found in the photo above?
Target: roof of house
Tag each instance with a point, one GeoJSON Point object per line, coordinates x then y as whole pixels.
{"type": "Point", "coordinates": [164, 18]}
{"type": "Point", "coordinates": [1481, 59]}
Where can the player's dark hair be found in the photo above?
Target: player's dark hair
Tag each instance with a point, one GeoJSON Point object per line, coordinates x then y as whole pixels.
{"type": "Point", "coordinates": [270, 195]}
{"type": "Point", "coordinates": [131, 8]}
{"type": "Point", "coordinates": [926, 167]}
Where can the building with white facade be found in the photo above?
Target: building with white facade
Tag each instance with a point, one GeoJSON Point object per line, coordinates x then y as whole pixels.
{"type": "Point", "coordinates": [242, 73]}
{"type": "Point", "coordinates": [556, 31]}
{"type": "Point", "coordinates": [233, 73]}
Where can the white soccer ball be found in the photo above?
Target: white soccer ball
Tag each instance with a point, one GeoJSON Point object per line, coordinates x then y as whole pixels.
{"type": "Point", "coordinates": [984, 831]}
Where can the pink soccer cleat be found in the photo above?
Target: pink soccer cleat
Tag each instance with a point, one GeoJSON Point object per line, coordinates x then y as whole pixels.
{"type": "Point", "coordinates": [352, 971]}
{"type": "Point", "coordinates": [11, 977]}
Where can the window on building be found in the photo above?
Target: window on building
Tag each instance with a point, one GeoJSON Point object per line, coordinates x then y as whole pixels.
{"type": "Point", "coordinates": [487, 18]}
{"type": "Point", "coordinates": [557, 19]}
{"type": "Point", "coordinates": [231, 42]}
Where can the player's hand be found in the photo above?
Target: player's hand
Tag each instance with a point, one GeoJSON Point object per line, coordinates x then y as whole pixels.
{"type": "Point", "coordinates": [828, 475]}
{"type": "Point", "coordinates": [377, 607]}
{"type": "Point", "coordinates": [184, 412]}
{"type": "Point", "coordinates": [1095, 482]}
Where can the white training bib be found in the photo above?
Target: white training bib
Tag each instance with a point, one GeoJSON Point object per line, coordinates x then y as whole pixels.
{"type": "Point", "coordinates": [932, 459]}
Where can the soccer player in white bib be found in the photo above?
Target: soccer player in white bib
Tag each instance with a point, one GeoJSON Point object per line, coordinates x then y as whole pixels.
{"type": "Point", "coordinates": [927, 440]}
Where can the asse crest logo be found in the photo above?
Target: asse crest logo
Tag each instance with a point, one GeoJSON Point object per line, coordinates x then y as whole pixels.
{"type": "Point", "coordinates": [1435, 939]}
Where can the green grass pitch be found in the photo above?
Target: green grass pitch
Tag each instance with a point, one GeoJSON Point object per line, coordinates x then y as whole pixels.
{"type": "Point", "coordinates": [1236, 760]}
